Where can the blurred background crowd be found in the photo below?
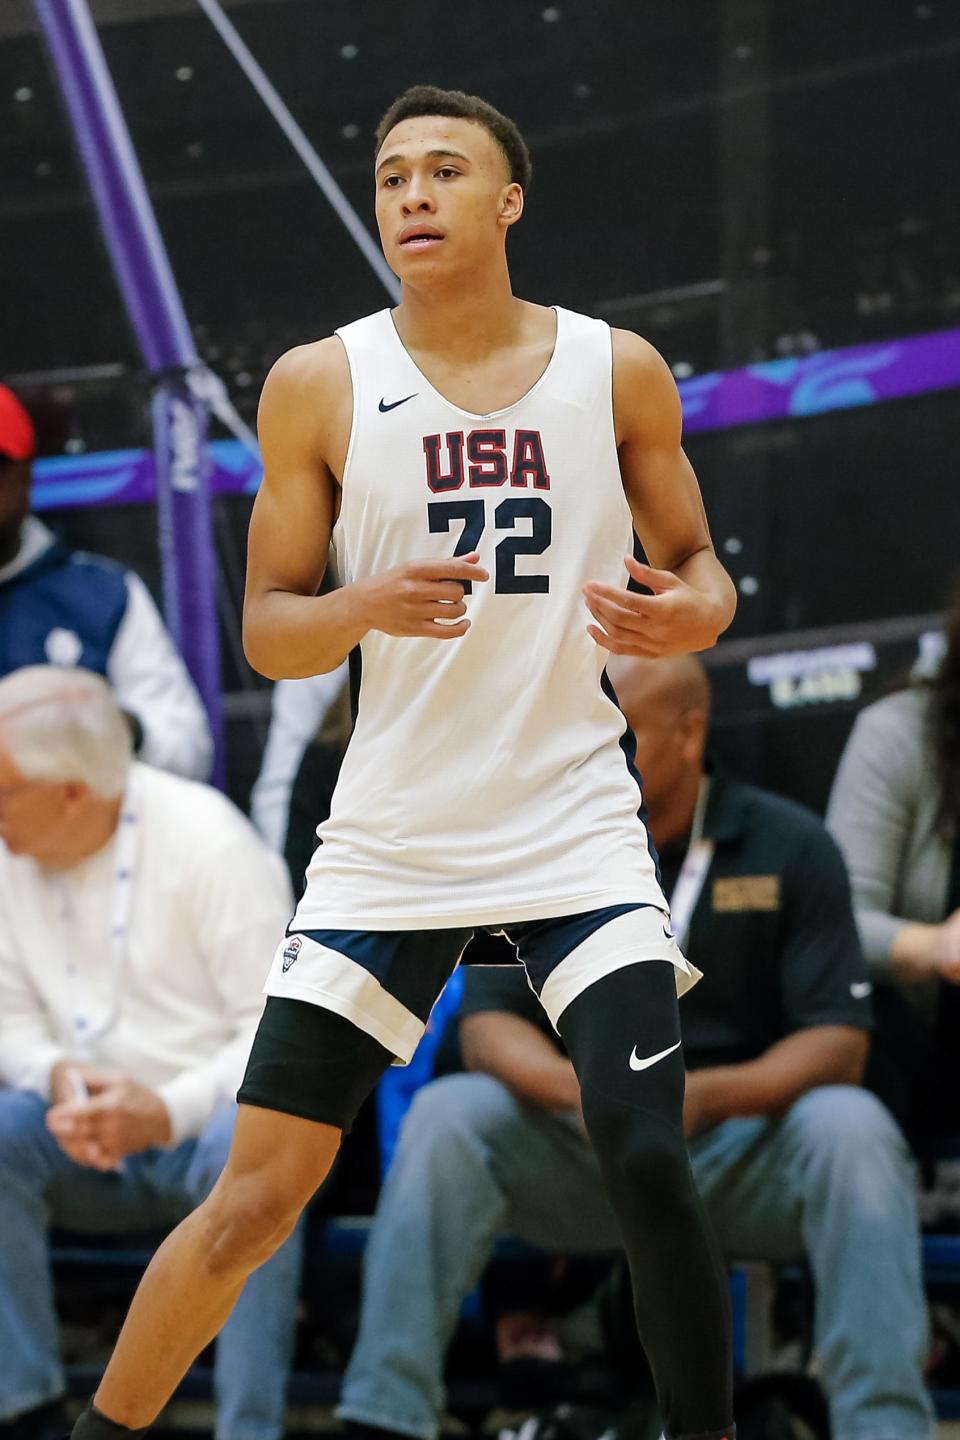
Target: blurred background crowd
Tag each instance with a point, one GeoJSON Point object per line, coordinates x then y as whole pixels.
{"type": "Point", "coordinates": [767, 190]}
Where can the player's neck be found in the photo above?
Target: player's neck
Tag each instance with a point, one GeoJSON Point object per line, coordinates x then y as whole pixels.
{"type": "Point", "coordinates": [462, 320]}
{"type": "Point", "coordinates": [673, 818]}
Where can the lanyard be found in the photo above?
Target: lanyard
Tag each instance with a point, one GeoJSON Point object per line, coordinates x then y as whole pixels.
{"type": "Point", "coordinates": [693, 872]}
{"type": "Point", "coordinates": [85, 1033]}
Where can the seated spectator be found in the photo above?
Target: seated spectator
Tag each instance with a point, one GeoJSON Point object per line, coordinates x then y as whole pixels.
{"type": "Point", "coordinates": [138, 912]}
{"type": "Point", "coordinates": [894, 809]}
{"type": "Point", "coordinates": [792, 1158]}
{"type": "Point", "coordinates": [62, 607]}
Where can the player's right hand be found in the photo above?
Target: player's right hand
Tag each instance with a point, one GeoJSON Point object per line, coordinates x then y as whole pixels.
{"type": "Point", "coordinates": [423, 598]}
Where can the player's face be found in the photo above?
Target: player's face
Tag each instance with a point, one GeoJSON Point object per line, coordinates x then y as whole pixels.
{"type": "Point", "coordinates": [444, 197]}
{"type": "Point", "coordinates": [35, 815]}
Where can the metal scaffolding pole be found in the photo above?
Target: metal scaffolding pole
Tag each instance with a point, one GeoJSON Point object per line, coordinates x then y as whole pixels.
{"type": "Point", "coordinates": [159, 322]}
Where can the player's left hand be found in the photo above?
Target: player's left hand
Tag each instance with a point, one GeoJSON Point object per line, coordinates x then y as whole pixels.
{"type": "Point", "coordinates": [674, 620]}
{"type": "Point", "coordinates": [123, 1118]}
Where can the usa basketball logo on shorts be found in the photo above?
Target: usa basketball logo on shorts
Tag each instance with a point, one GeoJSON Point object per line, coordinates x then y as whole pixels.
{"type": "Point", "coordinates": [291, 950]}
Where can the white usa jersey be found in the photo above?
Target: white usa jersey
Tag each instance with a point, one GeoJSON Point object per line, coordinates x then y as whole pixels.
{"type": "Point", "coordinates": [488, 777]}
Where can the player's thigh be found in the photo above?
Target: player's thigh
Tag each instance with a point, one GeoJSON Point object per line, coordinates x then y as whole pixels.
{"type": "Point", "coordinates": [385, 982]}
{"type": "Point", "coordinates": [620, 966]}
{"type": "Point", "coordinates": [311, 1064]}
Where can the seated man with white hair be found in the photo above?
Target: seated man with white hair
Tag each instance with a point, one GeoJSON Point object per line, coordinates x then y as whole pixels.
{"type": "Point", "coordinates": [136, 909]}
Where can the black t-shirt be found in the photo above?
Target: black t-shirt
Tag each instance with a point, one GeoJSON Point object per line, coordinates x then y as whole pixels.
{"type": "Point", "coordinates": [773, 932]}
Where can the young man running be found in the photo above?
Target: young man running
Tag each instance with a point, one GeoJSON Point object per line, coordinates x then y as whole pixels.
{"type": "Point", "coordinates": [477, 461]}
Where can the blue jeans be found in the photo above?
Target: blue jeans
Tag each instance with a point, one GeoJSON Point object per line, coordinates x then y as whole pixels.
{"type": "Point", "coordinates": [40, 1186]}
{"type": "Point", "coordinates": [830, 1181]}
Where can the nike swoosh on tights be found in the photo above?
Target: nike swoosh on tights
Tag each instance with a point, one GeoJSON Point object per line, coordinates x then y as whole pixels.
{"type": "Point", "coordinates": [637, 1064]}
{"type": "Point", "coordinates": [384, 407]}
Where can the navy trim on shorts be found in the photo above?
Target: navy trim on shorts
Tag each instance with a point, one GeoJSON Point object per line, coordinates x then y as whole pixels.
{"type": "Point", "coordinates": [543, 944]}
{"type": "Point", "coordinates": [412, 965]}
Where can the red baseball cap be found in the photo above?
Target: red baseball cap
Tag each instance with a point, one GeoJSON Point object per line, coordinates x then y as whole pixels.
{"type": "Point", "coordinates": [18, 439]}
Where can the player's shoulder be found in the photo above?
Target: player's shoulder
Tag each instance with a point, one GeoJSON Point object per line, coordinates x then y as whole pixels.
{"type": "Point", "coordinates": [646, 403]}
{"type": "Point", "coordinates": [304, 367]}
{"type": "Point", "coordinates": [637, 359]}
{"type": "Point", "coordinates": [307, 401]}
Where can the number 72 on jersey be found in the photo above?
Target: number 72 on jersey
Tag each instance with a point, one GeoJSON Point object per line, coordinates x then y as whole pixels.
{"type": "Point", "coordinates": [442, 515]}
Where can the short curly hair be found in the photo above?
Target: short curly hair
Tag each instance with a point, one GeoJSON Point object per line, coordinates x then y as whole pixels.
{"type": "Point", "coordinates": [431, 100]}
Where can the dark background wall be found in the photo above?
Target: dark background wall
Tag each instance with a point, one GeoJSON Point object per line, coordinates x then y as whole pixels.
{"type": "Point", "coordinates": [737, 179]}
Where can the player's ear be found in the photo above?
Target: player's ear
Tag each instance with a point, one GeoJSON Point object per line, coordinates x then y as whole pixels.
{"type": "Point", "coordinates": [511, 204]}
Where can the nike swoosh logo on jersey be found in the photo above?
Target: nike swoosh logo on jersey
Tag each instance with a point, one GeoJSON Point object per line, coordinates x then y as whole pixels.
{"type": "Point", "coordinates": [384, 407]}
{"type": "Point", "coordinates": [860, 989]}
{"type": "Point", "coordinates": [637, 1064]}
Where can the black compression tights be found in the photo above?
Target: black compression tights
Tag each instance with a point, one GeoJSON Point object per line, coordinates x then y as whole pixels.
{"type": "Point", "coordinates": [635, 1122]}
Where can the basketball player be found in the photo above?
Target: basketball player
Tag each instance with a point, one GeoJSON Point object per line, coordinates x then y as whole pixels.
{"type": "Point", "coordinates": [477, 460]}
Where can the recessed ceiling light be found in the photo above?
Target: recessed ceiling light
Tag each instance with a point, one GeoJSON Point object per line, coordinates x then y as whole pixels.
{"type": "Point", "coordinates": [22, 94]}
{"type": "Point", "coordinates": [194, 150]}
{"type": "Point", "coordinates": [551, 14]}
{"type": "Point", "coordinates": [743, 52]}
{"type": "Point", "coordinates": [184, 72]}
{"type": "Point", "coordinates": [682, 369]}
{"type": "Point", "coordinates": [350, 132]}
{"type": "Point", "coordinates": [349, 52]}
{"type": "Point", "coordinates": [43, 169]}
{"type": "Point", "coordinates": [733, 545]}
{"type": "Point", "coordinates": [923, 12]}
{"type": "Point", "coordinates": [582, 90]}
{"type": "Point", "coordinates": [749, 585]}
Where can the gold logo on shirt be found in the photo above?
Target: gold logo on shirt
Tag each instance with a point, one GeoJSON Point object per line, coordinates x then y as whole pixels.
{"type": "Point", "coordinates": [747, 892]}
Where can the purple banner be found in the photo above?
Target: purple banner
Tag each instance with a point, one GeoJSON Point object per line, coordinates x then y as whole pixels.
{"type": "Point", "coordinates": [830, 380]}
{"type": "Point", "coordinates": [777, 390]}
{"type": "Point", "coordinates": [128, 477]}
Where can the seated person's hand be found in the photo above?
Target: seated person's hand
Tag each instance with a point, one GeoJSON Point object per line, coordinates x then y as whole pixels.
{"type": "Point", "coordinates": [947, 949]}
{"type": "Point", "coordinates": [117, 1117]}
{"type": "Point", "coordinates": [696, 1118]}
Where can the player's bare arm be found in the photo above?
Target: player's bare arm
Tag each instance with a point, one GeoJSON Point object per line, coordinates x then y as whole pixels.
{"type": "Point", "coordinates": [694, 599]}
{"type": "Point", "coordinates": [289, 631]}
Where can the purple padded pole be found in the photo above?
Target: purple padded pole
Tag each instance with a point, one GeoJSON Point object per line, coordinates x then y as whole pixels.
{"type": "Point", "coordinates": [156, 313]}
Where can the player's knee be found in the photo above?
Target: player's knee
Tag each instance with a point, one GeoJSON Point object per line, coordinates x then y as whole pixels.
{"type": "Point", "coordinates": [247, 1220]}
{"type": "Point", "coordinates": [644, 1161]}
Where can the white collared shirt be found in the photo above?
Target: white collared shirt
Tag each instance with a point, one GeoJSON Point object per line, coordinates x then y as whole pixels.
{"type": "Point", "coordinates": [209, 903]}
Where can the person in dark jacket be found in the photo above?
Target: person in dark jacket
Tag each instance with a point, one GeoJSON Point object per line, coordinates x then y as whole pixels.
{"type": "Point", "coordinates": [63, 607]}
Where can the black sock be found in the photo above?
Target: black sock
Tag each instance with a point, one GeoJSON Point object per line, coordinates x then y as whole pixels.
{"type": "Point", "coordinates": [91, 1425]}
